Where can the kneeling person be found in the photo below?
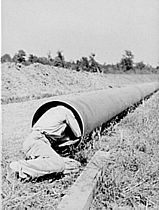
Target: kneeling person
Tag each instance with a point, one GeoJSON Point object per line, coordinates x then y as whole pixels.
{"type": "Point", "coordinates": [56, 128]}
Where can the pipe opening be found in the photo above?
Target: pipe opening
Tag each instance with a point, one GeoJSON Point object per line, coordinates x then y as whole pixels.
{"type": "Point", "coordinates": [52, 104]}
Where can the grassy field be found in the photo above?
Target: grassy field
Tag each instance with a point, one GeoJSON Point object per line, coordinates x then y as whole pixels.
{"type": "Point", "coordinates": [132, 174]}
{"type": "Point", "coordinates": [46, 193]}
{"type": "Point", "coordinates": [130, 179]}
{"type": "Point", "coordinates": [38, 81]}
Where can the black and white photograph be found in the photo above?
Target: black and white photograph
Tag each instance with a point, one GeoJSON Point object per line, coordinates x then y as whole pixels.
{"type": "Point", "coordinates": [80, 105]}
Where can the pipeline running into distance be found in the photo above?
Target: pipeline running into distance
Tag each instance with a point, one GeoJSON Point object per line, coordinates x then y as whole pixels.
{"type": "Point", "coordinates": [94, 108]}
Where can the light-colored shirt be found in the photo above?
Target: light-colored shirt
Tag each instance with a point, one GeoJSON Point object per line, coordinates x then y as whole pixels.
{"type": "Point", "coordinates": [55, 120]}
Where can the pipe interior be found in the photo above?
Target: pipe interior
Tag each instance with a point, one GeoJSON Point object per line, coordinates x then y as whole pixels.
{"type": "Point", "coordinates": [45, 107]}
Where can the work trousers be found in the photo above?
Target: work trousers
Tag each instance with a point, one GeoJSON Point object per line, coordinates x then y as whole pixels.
{"type": "Point", "coordinates": [41, 159]}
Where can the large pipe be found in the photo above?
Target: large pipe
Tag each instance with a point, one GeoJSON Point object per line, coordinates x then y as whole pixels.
{"type": "Point", "coordinates": [92, 109]}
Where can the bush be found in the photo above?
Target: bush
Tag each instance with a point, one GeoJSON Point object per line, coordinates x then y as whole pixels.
{"type": "Point", "coordinates": [59, 60]}
{"type": "Point", "coordinates": [93, 65]}
{"type": "Point", "coordinates": [6, 58]}
{"type": "Point", "coordinates": [19, 57]}
{"type": "Point", "coordinates": [140, 65]}
{"type": "Point", "coordinates": [32, 58]}
{"type": "Point", "coordinates": [126, 62]}
{"type": "Point", "coordinates": [43, 60]}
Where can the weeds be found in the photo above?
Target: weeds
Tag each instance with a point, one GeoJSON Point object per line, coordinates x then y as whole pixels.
{"type": "Point", "coordinates": [131, 176]}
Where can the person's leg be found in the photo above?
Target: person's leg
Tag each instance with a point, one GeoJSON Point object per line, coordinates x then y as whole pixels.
{"type": "Point", "coordinates": [43, 160]}
{"type": "Point", "coordinates": [38, 167]}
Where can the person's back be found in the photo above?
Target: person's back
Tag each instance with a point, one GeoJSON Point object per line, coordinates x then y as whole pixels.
{"type": "Point", "coordinates": [40, 156]}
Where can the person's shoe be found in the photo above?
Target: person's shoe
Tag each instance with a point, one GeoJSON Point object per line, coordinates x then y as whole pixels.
{"type": "Point", "coordinates": [16, 167]}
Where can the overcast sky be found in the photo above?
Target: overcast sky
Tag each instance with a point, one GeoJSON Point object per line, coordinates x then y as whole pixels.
{"type": "Point", "coordinates": [80, 27]}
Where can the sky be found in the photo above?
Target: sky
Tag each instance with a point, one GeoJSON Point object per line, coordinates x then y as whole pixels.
{"type": "Point", "coordinates": [81, 27]}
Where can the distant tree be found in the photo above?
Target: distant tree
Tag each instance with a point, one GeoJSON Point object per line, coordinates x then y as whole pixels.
{"type": "Point", "coordinates": [140, 65]}
{"type": "Point", "coordinates": [84, 64]}
{"type": "Point", "coordinates": [77, 65]}
{"type": "Point", "coordinates": [93, 64]}
{"type": "Point", "coordinates": [68, 64]}
{"type": "Point", "coordinates": [43, 60]}
{"type": "Point", "coordinates": [109, 68]}
{"type": "Point", "coordinates": [118, 66]}
{"type": "Point", "coordinates": [32, 58]}
{"type": "Point", "coordinates": [19, 57]}
{"type": "Point", "coordinates": [126, 62]}
{"type": "Point", "coordinates": [157, 67]}
{"type": "Point", "coordinates": [49, 57]}
{"type": "Point", "coordinates": [6, 58]}
{"type": "Point", "coordinates": [59, 60]}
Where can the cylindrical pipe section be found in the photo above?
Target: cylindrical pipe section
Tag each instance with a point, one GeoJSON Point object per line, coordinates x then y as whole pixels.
{"type": "Point", "coordinates": [94, 108]}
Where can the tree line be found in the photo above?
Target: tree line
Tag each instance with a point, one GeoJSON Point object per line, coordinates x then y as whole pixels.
{"type": "Point", "coordinates": [126, 64]}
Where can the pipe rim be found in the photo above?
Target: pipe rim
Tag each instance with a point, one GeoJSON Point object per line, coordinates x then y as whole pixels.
{"type": "Point", "coordinates": [46, 106]}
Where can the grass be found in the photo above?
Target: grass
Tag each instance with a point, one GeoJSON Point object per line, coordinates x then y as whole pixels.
{"type": "Point", "coordinates": [46, 192]}
{"type": "Point", "coordinates": [39, 81]}
{"type": "Point", "coordinates": [131, 175]}
{"type": "Point", "coordinates": [131, 178]}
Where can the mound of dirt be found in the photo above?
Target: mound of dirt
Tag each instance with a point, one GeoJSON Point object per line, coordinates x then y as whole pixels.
{"type": "Point", "coordinates": [21, 83]}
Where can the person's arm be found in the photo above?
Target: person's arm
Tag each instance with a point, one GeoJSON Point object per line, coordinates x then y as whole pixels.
{"type": "Point", "coordinates": [73, 124]}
